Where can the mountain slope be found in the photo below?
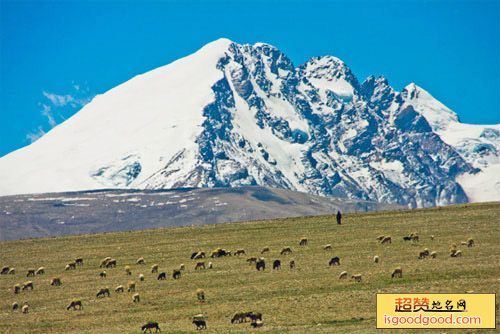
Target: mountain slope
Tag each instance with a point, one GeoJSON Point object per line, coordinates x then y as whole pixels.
{"type": "Point", "coordinates": [232, 115]}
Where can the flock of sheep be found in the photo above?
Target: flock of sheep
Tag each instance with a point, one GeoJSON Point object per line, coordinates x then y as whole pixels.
{"type": "Point", "coordinates": [255, 318]}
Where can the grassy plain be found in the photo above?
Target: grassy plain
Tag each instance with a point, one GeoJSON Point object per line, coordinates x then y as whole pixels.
{"type": "Point", "coordinates": [307, 299]}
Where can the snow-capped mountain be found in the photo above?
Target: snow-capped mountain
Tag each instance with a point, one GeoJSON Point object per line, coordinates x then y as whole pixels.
{"type": "Point", "coordinates": [232, 115]}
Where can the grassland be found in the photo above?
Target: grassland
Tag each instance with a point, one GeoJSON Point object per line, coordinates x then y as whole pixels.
{"type": "Point", "coordinates": [307, 299]}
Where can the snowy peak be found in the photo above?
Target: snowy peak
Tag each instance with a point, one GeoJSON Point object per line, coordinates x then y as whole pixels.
{"type": "Point", "coordinates": [231, 115]}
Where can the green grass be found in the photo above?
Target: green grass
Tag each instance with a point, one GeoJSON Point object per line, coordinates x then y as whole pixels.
{"type": "Point", "coordinates": [307, 299]}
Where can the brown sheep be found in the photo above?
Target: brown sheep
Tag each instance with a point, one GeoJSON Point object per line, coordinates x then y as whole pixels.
{"type": "Point", "coordinates": [176, 274]}
{"type": "Point", "coordinates": [254, 316]}
{"type": "Point", "coordinates": [327, 247]}
{"type": "Point", "coordinates": [141, 277]}
{"type": "Point", "coordinates": [470, 242]}
{"type": "Point", "coordinates": [200, 294]}
{"type": "Point", "coordinates": [25, 308]}
{"type": "Point", "coordinates": [422, 255]}
{"type": "Point", "coordinates": [136, 298]}
{"type": "Point", "coordinates": [72, 265]}
{"type": "Point", "coordinates": [119, 288]}
{"type": "Point", "coordinates": [12, 271]}
{"type": "Point", "coordinates": [286, 250]}
{"type": "Point", "coordinates": [140, 261]}
{"type": "Point", "coordinates": [261, 264]}
{"type": "Point", "coordinates": [257, 324]}
{"type": "Point", "coordinates": [386, 240]}
{"type": "Point", "coordinates": [239, 252]}
{"type": "Point", "coordinates": [210, 265]}
{"type": "Point", "coordinates": [17, 288]}
{"type": "Point", "coordinates": [200, 265]}
{"type": "Point", "coordinates": [103, 263]}
{"type": "Point", "coordinates": [102, 274]}
{"type": "Point", "coordinates": [15, 305]}
{"type": "Point", "coordinates": [277, 264]}
{"type": "Point", "coordinates": [200, 324]}
{"type": "Point", "coordinates": [28, 284]}
{"type": "Point", "coordinates": [292, 264]}
{"type": "Point", "coordinates": [40, 271]}
{"type": "Point", "coordinates": [432, 238]}
{"type": "Point", "coordinates": [79, 261]}
{"type": "Point", "coordinates": [103, 292]}
{"type": "Point", "coordinates": [303, 242]}
{"type": "Point", "coordinates": [343, 275]}
{"type": "Point", "coordinates": [456, 253]}
{"type": "Point", "coordinates": [376, 259]}
{"type": "Point", "coordinates": [74, 303]}
{"type": "Point", "coordinates": [131, 286]}
{"type": "Point", "coordinates": [56, 281]}
{"type": "Point", "coordinates": [334, 260]}
{"type": "Point", "coordinates": [380, 237]}
{"type": "Point", "coordinates": [162, 276]}
{"type": "Point", "coordinates": [111, 263]}
{"type": "Point", "coordinates": [252, 260]}
{"type": "Point", "coordinates": [356, 277]}
{"type": "Point", "coordinates": [31, 272]}
{"type": "Point", "coordinates": [5, 270]}
{"type": "Point", "coordinates": [264, 250]}
{"type": "Point", "coordinates": [433, 254]}
{"type": "Point", "coordinates": [154, 268]}
{"type": "Point", "coordinates": [239, 317]}
{"type": "Point", "coordinates": [397, 272]}
{"type": "Point", "coordinates": [199, 255]}
{"type": "Point", "coordinates": [151, 325]}
{"type": "Point", "coordinates": [127, 270]}
{"type": "Point", "coordinates": [182, 267]}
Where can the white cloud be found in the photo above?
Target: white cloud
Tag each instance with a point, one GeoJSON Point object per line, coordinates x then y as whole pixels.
{"type": "Point", "coordinates": [59, 100]}
{"type": "Point", "coordinates": [33, 136]}
{"type": "Point", "coordinates": [46, 111]}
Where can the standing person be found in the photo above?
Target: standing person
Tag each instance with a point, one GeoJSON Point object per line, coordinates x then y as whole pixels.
{"type": "Point", "coordinates": [339, 217]}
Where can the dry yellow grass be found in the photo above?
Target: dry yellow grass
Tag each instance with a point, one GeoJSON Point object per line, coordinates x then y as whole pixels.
{"type": "Point", "coordinates": [307, 299]}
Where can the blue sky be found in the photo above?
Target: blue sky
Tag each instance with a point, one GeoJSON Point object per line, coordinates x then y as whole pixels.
{"type": "Point", "coordinates": [56, 55]}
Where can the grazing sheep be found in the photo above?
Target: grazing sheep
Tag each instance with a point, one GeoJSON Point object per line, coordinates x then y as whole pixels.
{"type": "Point", "coordinates": [131, 286]}
{"type": "Point", "coordinates": [194, 254]}
{"type": "Point", "coordinates": [327, 247]}
{"type": "Point", "coordinates": [72, 265]}
{"type": "Point", "coordinates": [261, 264]}
{"type": "Point", "coordinates": [414, 237]}
{"type": "Point", "coordinates": [200, 293]}
{"type": "Point", "coordinates": [151, 325]}
{"type": "Point", "coordinates": [79, 261]}
{"type": "Point", "coordinates": [17, 288]}
{"type": "Point", "coordinates": [240, 251]}
{"type": "Point", "coordinates": [154, 268]}
{"type": "Point", "coordinates": [254, 316]}
{"type": "Point", "coordinates": [25, 308]}
{"type": "Point", "coordinates": [432, 237]}
{"type": "Point", "coordinates": [277, 264]}
{"type": "Point", "coordinates": [31, 272]}
{"type": "Point", "coordinates": [286, 250]}
{"type": "Point", "coordinates": [380, 237]}
{"type": "Point", "coordinates": [422, 255]}
{"type": "Point", "coordinates": [200, 324]}
{"type": "Point", "coordinates": [456, 253]}
{"type": "Point", "coordinates": [103, 292]}
{"type": "Point", "coordinates": [12, 271]}
{"type": "Point", "coordinates": [200, 265]}
{"type": "Point", "coordinates": [5, 270]}
{"type": "Point", "coordinates": [111, 263]}
{"type": "Point", "coordinates": [426, 251]}
{"type": "Point", "coordinates": [40, 271]}
{"type": "Point", "coordinates": [74, 303]}
{"type": "Point", "coordinates": [397, 272]}
{"type": "Point", "coordinates": [252, 260]}
{"type": "Point", "coordinates": [292, 264]}
{"type": "Point", "coordinates": [103, 263]}
{"type": "Point", "coordinates": [257, 324]}
{"type": "Point", "coordinates": [162, 276]}
{"type": "Point", "coordinates": [199, 255]}
{"type": "Point", "coordinates": [406, 238]}
{"type": "Point", "coordinates": [176, 274]}
{"type": "Point", "coordinates": [119, 288]}
{"type": "Point", "coordinates": [386, 240]}
{"type": "Point", "coordinates": [343, 275]}
{"type": "Point", "coordinates": [303, 242]}
{"type": "Point", "coordinates": [239, 317]}
{"type": "Point", "coordinates": [210, 265]}
{"type": "Point", "coordinates": [140, 261]}
{"type": "Point", "coordinates": [433, 254]}
{"type": "Point", "coordinates": [15, 305]}
{"type": "Point", "coordinates": [376, 259]}
{"type": "Point", "coordinates": [264, 250]}
{"type": "Point", "coordinates": [470, 242]}
{"type": "Point", "coordinates": [219, 252]}
{"type": "Point", "coordinates": [356, 277]}
{"type": "Point", "coordinates": [141, 277]}
{"type": "Point", "coordinates": [103, 274]}
{"type": "Point", "coordinates": [56, 281]}
{"type": "Point", "coordinates": [136, 298]}
{"type": "Point", "coordinates": [182, 267]}
{"type": "Point", "coordinates": [28, 284]}
{"type": "Point", "coordinates": [67, 267]}
{"type": "Point", "coordinates": [127, 270]}
{"type": "Point", "coordinates": [334, 260]}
